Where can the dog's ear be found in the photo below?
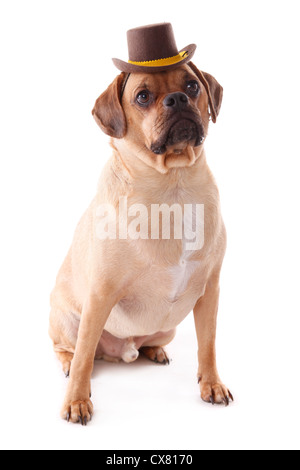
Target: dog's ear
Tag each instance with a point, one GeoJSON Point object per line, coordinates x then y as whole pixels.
{"type": "Point", "coordinates": [213, 89]}
{"type": "Point", "coordinates": [108, 111]}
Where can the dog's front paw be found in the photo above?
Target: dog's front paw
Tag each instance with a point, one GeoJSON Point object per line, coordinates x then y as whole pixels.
{"type": "Point", "coordinates": [80, 411]}
{"type": "Point", "coordinates": [215, 392]}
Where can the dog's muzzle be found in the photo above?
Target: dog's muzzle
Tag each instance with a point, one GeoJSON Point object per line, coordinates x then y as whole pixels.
{"type": "Point", "coordinates": [182, 124]}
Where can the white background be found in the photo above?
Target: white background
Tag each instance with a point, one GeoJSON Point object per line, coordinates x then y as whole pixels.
{"type": "Point", "coordinates": [55, 60]}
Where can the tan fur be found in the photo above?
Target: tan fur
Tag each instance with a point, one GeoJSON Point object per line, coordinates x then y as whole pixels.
{"type": "Point", "coordinates": [138, 291]}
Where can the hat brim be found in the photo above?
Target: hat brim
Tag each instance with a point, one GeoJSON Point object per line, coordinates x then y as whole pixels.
{"type": "Point", "coordinates": [130, 67]}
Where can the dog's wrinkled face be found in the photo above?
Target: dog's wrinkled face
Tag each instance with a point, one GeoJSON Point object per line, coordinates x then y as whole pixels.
{"type": "Point", "coordinates": [167, 107]}
{"type": "Point", "coordinates": [163, 117]}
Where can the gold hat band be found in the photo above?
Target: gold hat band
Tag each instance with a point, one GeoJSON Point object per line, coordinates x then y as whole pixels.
{"type": "Point", "coordinates": [161, 62]}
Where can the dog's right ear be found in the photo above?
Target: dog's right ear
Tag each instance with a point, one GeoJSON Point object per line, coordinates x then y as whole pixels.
{"type": "Point", "coordinates": [108, 111]}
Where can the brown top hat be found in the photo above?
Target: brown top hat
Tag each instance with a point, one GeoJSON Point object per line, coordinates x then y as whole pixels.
{"type": "Point", "coordinates": [153, 49]}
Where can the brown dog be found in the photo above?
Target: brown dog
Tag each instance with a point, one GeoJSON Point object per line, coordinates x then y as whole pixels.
{"type": "Point", "coordinates": [116, 296]}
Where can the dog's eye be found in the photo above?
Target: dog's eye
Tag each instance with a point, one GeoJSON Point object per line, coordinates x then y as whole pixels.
{"type": "Point", "coordinates": [193, 88]}
{"type": "Point", "coordinates": [143, 98]}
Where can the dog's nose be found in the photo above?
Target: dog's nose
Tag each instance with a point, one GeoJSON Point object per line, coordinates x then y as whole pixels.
{"type": "Point", "coordinates": [176, 101]}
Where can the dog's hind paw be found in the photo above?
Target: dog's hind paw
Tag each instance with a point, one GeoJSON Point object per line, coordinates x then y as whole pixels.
{"type": "Point", "coordinates": [156, 354]}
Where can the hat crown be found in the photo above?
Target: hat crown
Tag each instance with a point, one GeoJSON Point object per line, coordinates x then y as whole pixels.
{"type": "Point", "coordinates": [151, 42]}
{"type": "Point", "coordinates": [153, 49]}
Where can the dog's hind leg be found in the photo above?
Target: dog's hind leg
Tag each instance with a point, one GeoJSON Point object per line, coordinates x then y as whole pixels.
{"type": "Point", "coordinates": [63, 332]}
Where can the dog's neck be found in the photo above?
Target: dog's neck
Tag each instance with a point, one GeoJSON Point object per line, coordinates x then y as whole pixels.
{"type": "Point", "coordinates": [134, 172]}
{"type": "Point", "coordinates": [136, 162]}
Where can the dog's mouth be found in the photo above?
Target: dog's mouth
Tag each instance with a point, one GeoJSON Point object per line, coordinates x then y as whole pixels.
{"type": "Point", "coordinates": [181, 133]}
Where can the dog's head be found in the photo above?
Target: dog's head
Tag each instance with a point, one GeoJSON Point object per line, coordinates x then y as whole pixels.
{"type": "Point", "coordinates": [162, 117]}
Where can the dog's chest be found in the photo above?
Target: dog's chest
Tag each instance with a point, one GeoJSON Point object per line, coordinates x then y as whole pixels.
{"type": "Point", "coordinates": [169, 283]}
{"type": "Point", "coordinates": [160, 299]}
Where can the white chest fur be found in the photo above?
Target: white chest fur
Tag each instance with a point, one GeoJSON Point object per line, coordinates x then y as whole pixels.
{"type": "Point", "coordinates": [181, 275]}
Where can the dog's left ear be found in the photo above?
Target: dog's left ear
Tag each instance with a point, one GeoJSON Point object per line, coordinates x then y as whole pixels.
{"type": "Point", "coordinates": [108, 111]}
{"type": "Point", "coordinates": [213, 89]}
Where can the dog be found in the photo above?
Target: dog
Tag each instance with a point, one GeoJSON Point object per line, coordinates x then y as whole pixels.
{"type": "Point", "coordinates": [117, 298]}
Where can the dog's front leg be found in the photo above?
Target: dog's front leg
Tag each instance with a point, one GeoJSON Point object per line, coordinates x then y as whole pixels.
{"type": "Point", "coordinates": [205, 314]}
{"type": "Point", "coordinates": [77, 406]}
